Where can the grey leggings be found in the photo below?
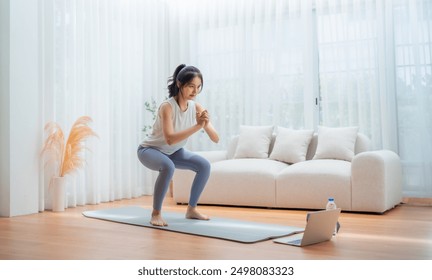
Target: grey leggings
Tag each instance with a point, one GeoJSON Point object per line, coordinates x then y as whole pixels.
{"type": "Point", "coordinates": [166, 164]}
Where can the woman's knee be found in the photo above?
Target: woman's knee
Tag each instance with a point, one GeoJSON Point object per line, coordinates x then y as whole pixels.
{"type": "Point", "coordinates": [167, 167]}
{"type": "Point", "coordinates": [204, 165]}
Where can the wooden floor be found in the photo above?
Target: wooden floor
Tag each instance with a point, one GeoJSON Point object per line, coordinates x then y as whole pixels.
{"type": "Point", "coordinates": [402, 233]}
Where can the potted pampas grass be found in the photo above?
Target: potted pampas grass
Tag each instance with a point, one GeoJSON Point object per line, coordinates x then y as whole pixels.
{"type": "Point", "coordinates": [66, 156]}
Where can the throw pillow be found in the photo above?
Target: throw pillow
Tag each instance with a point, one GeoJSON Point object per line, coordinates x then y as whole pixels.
{"type": "Point", "coordinates": [254, 142]}
{"type": "Point", "coordinates": [336, 143]}
{"type": "Point", "coordinates": [291, 146]}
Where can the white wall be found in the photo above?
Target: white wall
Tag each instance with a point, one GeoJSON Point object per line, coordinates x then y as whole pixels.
{"type": "Point", "coordinates": [4, 107]}
{"type": "Point", "coordinates": [20, 125]}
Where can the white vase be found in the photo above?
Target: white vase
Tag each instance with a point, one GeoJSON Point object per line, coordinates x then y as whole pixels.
{"type": "Point", "coordinates": [58, 194]}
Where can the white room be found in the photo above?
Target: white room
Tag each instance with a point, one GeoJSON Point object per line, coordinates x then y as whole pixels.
{"type": "Point", "coordinates": [286, 64]}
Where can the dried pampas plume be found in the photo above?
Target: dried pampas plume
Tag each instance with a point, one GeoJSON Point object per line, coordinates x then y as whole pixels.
{"type": "Point", "coordinates": [67, 156]}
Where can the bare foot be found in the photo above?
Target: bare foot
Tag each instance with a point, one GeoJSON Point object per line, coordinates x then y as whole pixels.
{"type": "Point", "coordinates": [157, 220]}
{"type": "Point", "coordinates": [192, 213]}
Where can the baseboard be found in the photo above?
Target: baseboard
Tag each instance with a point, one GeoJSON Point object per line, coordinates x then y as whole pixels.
{"type": "Point", "coordinates": [423, 201]}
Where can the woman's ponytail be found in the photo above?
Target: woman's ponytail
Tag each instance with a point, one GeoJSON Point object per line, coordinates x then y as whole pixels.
{"type": "Point", "coordinates": [173, 89]}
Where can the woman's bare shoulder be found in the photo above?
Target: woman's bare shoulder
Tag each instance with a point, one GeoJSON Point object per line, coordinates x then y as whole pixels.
{"type": "Point", "coordinates": [165, 108]}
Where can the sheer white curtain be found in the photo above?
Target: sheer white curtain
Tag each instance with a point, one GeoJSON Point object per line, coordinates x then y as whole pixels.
{"type": "Point", "coordinates": [413, 62]}
{"type": "Point", "coordinates": [352, 87]}
{"type": "Point", "coordinates": [255, 59]}
{"type": "Point", "coordinates": [103, 59]}
{"type": "Point", "coordinates": [375, 72]}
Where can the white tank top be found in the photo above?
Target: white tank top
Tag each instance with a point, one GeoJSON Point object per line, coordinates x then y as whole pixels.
{"type": "Point", "coordinates": [181, 121]}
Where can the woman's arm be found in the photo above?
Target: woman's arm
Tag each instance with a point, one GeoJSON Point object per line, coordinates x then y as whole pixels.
{"type": "Point", "coordinates": [208, 127]}
{"type": "Point", "coordinates": [172, 137]}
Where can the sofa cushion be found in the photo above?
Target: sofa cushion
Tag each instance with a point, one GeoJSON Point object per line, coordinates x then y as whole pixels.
{"type": "Point", "coordinates": [336, 143]}
{"type": "Point", "coordinates": [242, 182]}
{"type": "Point", "coordinates": [291, 145]}
{"type": "Point", "coordinates": [254, 142]}
{"type": "Point", "coordinates": [309, 184]}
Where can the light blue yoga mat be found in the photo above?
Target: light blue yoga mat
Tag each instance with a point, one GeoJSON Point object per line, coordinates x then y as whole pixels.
{"type": "Point", "coordinates": [228, 229]}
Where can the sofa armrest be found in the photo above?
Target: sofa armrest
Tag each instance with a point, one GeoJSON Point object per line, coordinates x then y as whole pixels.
{"type": "Point", "coordinates": [376, 181]}
{"type": "Point", "coordinates": [213, 156]}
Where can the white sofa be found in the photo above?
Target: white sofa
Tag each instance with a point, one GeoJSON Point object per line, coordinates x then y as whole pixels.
{"type": "Point", "coordinates": [370, 182]}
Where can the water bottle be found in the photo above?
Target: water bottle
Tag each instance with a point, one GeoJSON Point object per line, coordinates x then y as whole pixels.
{"type": "Point", "coordinates": [330, 206]}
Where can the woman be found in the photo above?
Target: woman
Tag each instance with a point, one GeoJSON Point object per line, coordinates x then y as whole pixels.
{"type": "Point", "coordinates": [178, 118]}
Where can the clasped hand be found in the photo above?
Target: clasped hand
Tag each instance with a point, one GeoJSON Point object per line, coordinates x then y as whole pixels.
{"type": "Point", "coordinates": [202, 118]}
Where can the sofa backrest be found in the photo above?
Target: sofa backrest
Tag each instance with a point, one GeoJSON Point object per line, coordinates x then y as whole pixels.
{"type": "Point", "coordinates": [363, 144]}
